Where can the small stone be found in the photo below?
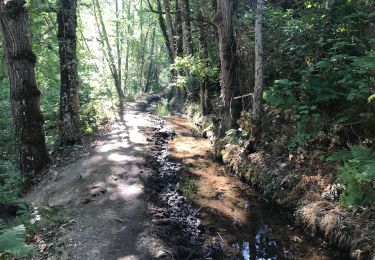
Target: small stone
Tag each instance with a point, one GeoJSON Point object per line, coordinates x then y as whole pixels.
{"type": "Point", "coordinates": [160, 254]}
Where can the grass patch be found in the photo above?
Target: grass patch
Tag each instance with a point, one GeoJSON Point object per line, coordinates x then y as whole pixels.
{"type": "Point", "coordinates": [188, 186]}
{"type": "Point", "coordinates": [196, 133]}
{"type": "Point", "coordinates": [162, 109]}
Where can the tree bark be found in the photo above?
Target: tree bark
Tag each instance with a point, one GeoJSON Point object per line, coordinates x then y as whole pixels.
{"type": "Point", "coordinates": [147, 87]}
{"type": "Point", "coordinates": [143, 41]}
{"type": "Point", "coordinates": [69, 125]}
{"type": "Point", "coordinates": [164, 31]}
{"type": "Point", "coordinates": [127, 46]}
{"type": "Point", "coordinates": [187, 42]}
{"type": "Point", "coordinates": [205, 101]}
{"type": "Point", "coordinates": [179, 33]}
{"type": "Point", "coordinates": [32, 153]}
{"type": "Point", "coordinates": [170, 25]}
{"type": "Point", "coordinates": [258, 88]}
{"type": "Point", "coordinates": [118, 44]}
{"type": "Point", "coordinates": [230, 110]}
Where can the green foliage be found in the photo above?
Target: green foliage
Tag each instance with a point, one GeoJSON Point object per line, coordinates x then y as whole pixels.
{"type": "Point", "coordinates": [47, 217]}
{"type": "Point", "coordinates": [357, 173]}
{"type": "Point", "coordinates": [11, 182]}
{"type": "Point", "coordinates": [162, 108]}
{"type": "Point", "coordinates": [236, 136]}
{"type": "Point", "coordinates": [12, 242]}
{"type": "Point", "coordinates": [188, 186]}
{"type": "Point", "coordinates": [328, 76]}
{"type": "Point", "coordinates": [197, 67]}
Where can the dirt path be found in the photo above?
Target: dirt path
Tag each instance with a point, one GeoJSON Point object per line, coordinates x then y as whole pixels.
{"type": "Point", "coordinates": [127, 202]}
{"type": "Point", "coordinates": [106, 193]}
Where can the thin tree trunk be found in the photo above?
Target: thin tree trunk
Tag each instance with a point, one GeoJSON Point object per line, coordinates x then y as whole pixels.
{"type": "Point", "coordinates": [258, 88]}
{"type": "Point", "coordinates": [186, 27]}
{"type": "Point", "coordinates": [204, 82]}
{"type": "Point", "coordinates": [32, 153]}
{"type": "Point", "coordinates": [147, 87]}
{"type": "Point", "coordinates": [118, 45]}
{"type": "Point", "coordinates": [230, 110]}
{"type": "Point", "coordinates": [111, 59]}
{"type": "Point", "coordinates": [127, 47]}
{"type": "Point", "coordinates": [69, 124]}
{"type": "Point", "coordinates": [142, 42]}
{"type": "Point", "coordinates": [143, 52]}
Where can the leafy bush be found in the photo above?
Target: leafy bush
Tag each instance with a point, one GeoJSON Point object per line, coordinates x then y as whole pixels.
{"type": "Point", "coordinates": [236, 136]}
{"type": "Point", "coordinates": [328, 77]}
{"type": "Point", "coordinates": [12, 242]}
{"type": "Point", "coordinates": [357, 173]}
{"type": "Point", "coordinates": [11, 182]}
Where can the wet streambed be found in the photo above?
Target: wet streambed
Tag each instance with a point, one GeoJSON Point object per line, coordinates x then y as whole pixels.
{"type": "Point", "coordinates": [239, 224]}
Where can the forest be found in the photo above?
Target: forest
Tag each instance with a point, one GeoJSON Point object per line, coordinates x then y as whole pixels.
{"type": "Point", "coordinates": [187, 129]}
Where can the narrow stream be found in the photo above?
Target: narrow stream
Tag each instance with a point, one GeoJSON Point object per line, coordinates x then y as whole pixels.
{"type": "Point", "coordinates": [240, 225]}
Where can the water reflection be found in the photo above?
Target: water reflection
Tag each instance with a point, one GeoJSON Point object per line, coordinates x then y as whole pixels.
{"type": "Point", "coordinates": [261, 246]}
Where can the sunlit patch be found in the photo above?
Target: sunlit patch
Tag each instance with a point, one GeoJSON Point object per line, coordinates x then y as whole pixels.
{"type": "Point", "coordinates": [127, 191]}
{"type": "Point", "coordinates": [106, 148]}
{"type": "Point", "coordinates": [116, 157]}
{"type": "Point", "coordinates": [128, 257]}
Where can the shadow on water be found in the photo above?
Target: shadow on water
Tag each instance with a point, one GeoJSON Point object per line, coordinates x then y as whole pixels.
{"type": "Point", "coordinates": [239, 223]}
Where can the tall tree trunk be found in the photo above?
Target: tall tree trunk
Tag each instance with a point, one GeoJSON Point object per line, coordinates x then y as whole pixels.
{"type": "Point", "coordinates": [127, 46]}
{"type": "Point", "coordinates": [170, 26]}
{"type": "Point", "coordinates": [32, 153]}
{"type": "Point", "coordinates": [164, 31]}
{"type": "Point", "coordinates": [186, 27]}
{"type": "Point", "coordinates": [258, 88]}
{"type": "Point", "coordinates": [143, 56]}
{"type": "Point", "coordinates": [204, 82]}
{"type": "Point", "coordinates": [178, 30]}
{"type": "Point", "coordinates": [118, 45]}
{"type": "Point", "coordinates": [69, 132]}
{"type": "Point", "coordinates": [110, 57]}
{"type": "Point", "coordinates": [147, 87]}
{"type": "Point", "coordinates": [230, 110]}
{"type": "Point", "coordinates": [143, 44]}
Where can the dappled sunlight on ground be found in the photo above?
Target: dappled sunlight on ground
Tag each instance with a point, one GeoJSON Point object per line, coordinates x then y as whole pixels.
{"type": "Point", "coordinates": [105, 188]}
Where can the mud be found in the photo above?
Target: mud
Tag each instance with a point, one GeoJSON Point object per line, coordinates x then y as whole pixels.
{"type": "Point", "coordinates": [177, 222]}
{"type": "Point", "coordinates": [225, 219]}
{"type": "Point", "coordinates": [237, 219]}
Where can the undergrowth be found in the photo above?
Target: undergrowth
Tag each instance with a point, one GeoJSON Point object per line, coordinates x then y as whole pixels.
{"type": "Point", "coordinates": [357, 172]}
{"type": "Point", "coordinates": [162, 108]}
{"type": "Point", "coordinates": [12, 242]}
{"type": "Point", "coordinates": [11, 182]}
{"type": "Point", "coordinates": [188, 186]}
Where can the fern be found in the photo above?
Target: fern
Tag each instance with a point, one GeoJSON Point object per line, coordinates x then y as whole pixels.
{"type": "Point", "coordinates": [12, 242]}
{"type": "Point", "coordinates": [236, 136]}
{"type": "Point", "coordinates": [357, 172]}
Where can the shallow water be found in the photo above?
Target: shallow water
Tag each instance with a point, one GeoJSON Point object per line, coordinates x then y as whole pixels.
{"type": "Point", "coordinates": [240, 223]}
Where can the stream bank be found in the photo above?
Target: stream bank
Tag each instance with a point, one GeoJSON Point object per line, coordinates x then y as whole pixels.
{"type": "Point", "coordinates": [236, 222]}
{"type": "Point", "coordinates": [314, 208]}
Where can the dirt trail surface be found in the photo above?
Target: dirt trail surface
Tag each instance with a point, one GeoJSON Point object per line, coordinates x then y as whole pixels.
{"type": "Point", "coordinates": [127, 201]}
{"type": "Point", "coordinates": [112, 218]}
